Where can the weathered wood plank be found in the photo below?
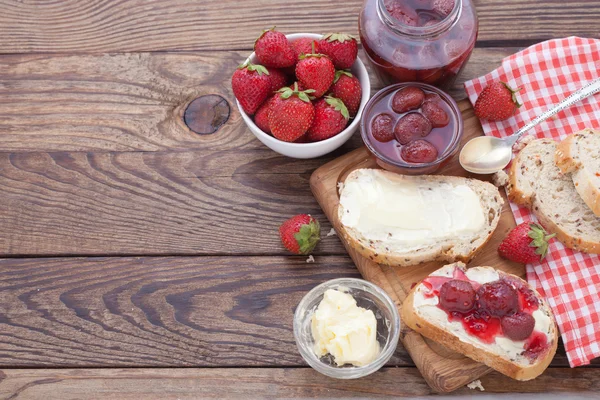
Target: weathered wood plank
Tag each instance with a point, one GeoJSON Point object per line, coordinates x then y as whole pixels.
{"type": "Point", "coordinates": [179, 311]}
{"type": "Point", "coordinates": [152, 203]}
{"type": "Point", "coordinates": [164, 25]}
{"type": "Point", "coordinates": [258, 383]}
{"type": "Point", "coordinates": [132, 102]}
{"type": "Point", "coordinates": [165, 311]}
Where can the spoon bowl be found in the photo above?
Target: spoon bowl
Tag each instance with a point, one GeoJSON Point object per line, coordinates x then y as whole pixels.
{"type": "Point", "coordinates": [486, 155]}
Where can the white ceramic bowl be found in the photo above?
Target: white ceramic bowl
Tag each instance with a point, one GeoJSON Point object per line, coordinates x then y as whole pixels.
{"type": "Point", "coordinates": [317, 149]}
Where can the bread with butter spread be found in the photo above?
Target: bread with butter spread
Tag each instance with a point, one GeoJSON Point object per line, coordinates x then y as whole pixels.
{"type": "Point", "coordinates": [403, 220]}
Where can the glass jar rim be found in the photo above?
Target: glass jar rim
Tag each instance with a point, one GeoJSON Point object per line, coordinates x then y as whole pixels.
{"type": "Point", "coordinates": [419, 31]}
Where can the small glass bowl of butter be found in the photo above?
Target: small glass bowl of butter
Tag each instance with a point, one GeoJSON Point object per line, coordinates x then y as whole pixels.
{"type": "Point", "coordinates": [337, 323]}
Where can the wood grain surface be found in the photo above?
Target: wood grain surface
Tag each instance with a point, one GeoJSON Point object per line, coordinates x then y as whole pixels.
{"type": "Point", "coordinates": [270, 383]}
{"type": "Point", "coordinates": [160, 311]}
{"type": "Point", "coordinates": [137, 25]}
{"type": "Point", "coordinates": [133, 102]}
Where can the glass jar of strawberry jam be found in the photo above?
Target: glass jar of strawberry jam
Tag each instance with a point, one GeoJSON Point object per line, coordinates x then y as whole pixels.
{"type": "Point", "coordinates": [426, 41]}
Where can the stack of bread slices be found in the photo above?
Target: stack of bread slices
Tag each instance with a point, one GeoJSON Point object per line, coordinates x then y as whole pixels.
{"type": "Point", "coordinates": [560, 184]}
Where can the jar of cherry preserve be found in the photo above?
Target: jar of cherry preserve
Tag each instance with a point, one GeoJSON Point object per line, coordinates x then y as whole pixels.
{"type": "Point", "coordinates": [426, 41]}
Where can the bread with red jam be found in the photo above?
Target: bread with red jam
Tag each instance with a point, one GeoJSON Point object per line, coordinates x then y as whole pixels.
{"type": "Point", "coordinates": [403, 220]}
{"type": "Point", "coordinates": [538, 184]}
{"type": "Point", "coordinates": [488, 315]}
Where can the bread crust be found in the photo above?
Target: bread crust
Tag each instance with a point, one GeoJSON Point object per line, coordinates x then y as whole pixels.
{"type": "Point", "coordinates": [568, 162]}
{"type": "Point", "coordinates": [479, 354]}
{"type": "Point", "coordinates": [517, 195]}
{"type": "Point", "coordinates": [447, 253]}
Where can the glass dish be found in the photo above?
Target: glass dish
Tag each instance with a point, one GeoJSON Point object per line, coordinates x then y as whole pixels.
{"type": "Point", "coordinates": [368, 296]}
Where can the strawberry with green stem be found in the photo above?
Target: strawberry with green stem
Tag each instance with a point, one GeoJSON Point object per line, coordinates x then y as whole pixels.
{"type": "Point", "coordinates": [527, 243]}
{"type": "Point", "coordinates": [331, 117]}
{"type": "Point", "coordinates": [291, 114]}
{"type": "Point", "coordinates": [346, 87]}
{"type": "Point", "coordinates": [300, 234]}
{"type": "Point", "coordinates": [251, 86]}
{"type": "Point", "coordinates": [273, 49]}
{"type": "Point", "coordinates": [341, 48]}
{"type": "Point", "coordinates": [315, 71]}
{"type": "Point", "coordinates": [497, 102]}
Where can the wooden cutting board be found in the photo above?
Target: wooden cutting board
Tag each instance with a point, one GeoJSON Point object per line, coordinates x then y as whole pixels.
{"type": "Point", "coordinates": [443, 369]}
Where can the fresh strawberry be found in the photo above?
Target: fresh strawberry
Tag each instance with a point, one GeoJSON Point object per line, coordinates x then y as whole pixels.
{"type": "Point", "coordinates": [274, 50]}
{"type": "Point", "coordinates": [300, 234]}
{"type": "Point", "coordinates": [341, 48]}
{"type": "Point", "coordinates": [315, 71]}
{"type": "Point", "coordinates": [331, 117]}
{"type": "Point", "coordinates": [278, 79]}
{"type": "Point", "coordinates": [261, 118]}
{"type": "Point", "coordinates": [496, 102]}
{"type": "Point", "coordinates": [304, 46]}
{"type": "Point", "coordinates": [527, 243]}
{"type": "Point", "coordinates": [251, 86]}
{"type": "Point", "coordinates": [346, 87]}
{"type": "Point", "coordinates": [291, 114]}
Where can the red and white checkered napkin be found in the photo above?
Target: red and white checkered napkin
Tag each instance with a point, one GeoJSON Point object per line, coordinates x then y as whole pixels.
{"type": "Point", "coordinates": [547, 73]}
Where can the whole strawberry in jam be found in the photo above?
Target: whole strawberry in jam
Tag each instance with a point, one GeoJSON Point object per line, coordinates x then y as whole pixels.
{"type": "Point", "coordinates": [498, 298]}
{"type": "Point", "coordinates": [496, 102]}
{"type": "Point", "coordinates": [435, 114]}
{"type": "Point", "coordinates": [341, 48]}
{"type": "Point", "coordinates": [300, 234]}
{"type": "Point", "coordinates": [407, 99]}
{"type": "Point", "coordinates": [420, 151]}
{"type": "Point", "coordinates": [518, 326]}
{"type": "Point", "coordinates": [457, 296]}
{"type": "Point", "coordinates": [291, 114]}
{"type": "Point", "coordinates": [527, 243]}
{"type": "Point", "coordinates": [316, 72]}
{"type": "Point", "coordinates": [274, 50]}
{"type": "Point", "coordinates": [382, 128]}
{"type": "Point", "coordinates": [411, 126]}
{"type": "Point", "coordinates": [251, 86]}
{"type": "Point", "coordinates": [331, 117]}
{"type": "Point", "coordinates": [346, 87]}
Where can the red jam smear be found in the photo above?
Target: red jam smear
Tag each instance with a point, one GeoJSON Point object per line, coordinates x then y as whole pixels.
{"type": "Point", "coordinates": [479, 323]}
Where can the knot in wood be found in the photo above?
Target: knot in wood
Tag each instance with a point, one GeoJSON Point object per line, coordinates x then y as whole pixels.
{"type": "Point", "coordinates": [206, 114]}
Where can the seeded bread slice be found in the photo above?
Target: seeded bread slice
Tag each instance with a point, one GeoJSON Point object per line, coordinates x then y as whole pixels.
{"type": "Point", "coordinates": [537, 183]}
{"type": "Point", "coordinates": [440, 330]}
{"type": "Point", "coordinates": [579, 155]}
{"type": "Point", "coordinates": [457, 248]}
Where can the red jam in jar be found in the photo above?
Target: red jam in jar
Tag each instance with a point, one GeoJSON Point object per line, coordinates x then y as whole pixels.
{"type": "Point", "coordinates": [426, 41]}
{"type": "Point", "coordinates": [412, 128]}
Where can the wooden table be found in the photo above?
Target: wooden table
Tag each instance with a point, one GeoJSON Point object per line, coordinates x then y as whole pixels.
{"type": "Point", "coordinates": [141, 260]}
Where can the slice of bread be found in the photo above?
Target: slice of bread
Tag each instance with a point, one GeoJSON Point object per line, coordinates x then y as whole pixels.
{"type": "Point", "coordinates": [537, 183]}
{"type": "Point", "coordinates": [506, 356]}
{"type": "Point", "coordinates": [431, 218]}
{"type": "Point", "coordinates": [579, 155]}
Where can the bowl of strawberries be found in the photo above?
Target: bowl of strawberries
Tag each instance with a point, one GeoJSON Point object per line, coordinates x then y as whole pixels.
{"type": "Point", "coordinates": [302, 95]}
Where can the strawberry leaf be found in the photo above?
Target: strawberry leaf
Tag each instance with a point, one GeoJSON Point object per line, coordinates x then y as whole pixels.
{"type": "Point", "coordinates": [308, 236]}
{"type": "Point", "coordinates": [338, 105]}
{"type": "Point", "coordinates": [341, 72]}
{"type": "Point", "coordinates": [339, 37]}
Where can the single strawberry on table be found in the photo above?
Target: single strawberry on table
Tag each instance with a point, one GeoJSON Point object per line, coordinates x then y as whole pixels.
{"type": "Point", "coordinates": [346, 87]}
{"type": "Point", "coordinates": [341, 48]}
{"type": "Point", "coordinates": [251, 86]}
{"type": "Point", "coordinates": [527, 243]}
{"type": "Point", "coordinates": [292, 113]}
{"type": "Point", "coordinates": [497, 102]}
{"type": "Point", "coordinates": [274, 50]}
{"type": "Point", "coordinates": [300, 234]}
{"type": "Point", "coordinates": [331, 117]}
{"type": "Point", "coordinates": [315, 71]}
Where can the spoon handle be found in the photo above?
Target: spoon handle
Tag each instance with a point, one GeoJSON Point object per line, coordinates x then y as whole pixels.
{"type": "Point", "coordinates": [586, 91]}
